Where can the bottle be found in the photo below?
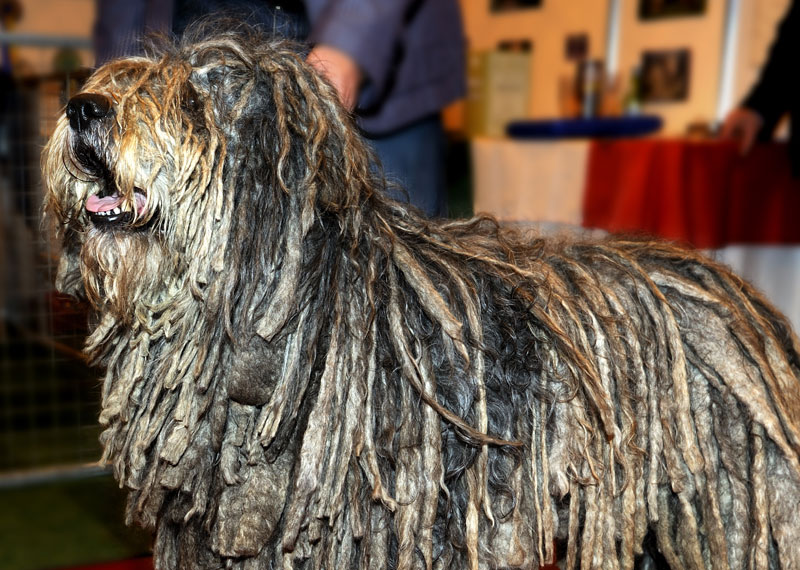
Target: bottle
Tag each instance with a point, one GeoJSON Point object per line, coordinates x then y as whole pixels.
{"type": "Point", "coordinates": [633, 97]}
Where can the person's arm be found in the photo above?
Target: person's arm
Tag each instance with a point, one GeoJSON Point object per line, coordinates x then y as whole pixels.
{"type": "Point", "coordinates": [768, 100]}
{"type": "Point", "coordinates": [356, 42]}
{"type": "Point", "coordinates": [744, 125]}
{"type": "Point", "coordinates": [770, 95]}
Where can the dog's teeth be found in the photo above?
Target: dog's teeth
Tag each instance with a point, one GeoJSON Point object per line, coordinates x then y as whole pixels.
{"type": "Point", "coordinates": [117, 210]}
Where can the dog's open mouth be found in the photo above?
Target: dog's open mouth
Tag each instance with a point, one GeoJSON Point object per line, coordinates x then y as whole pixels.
{"type": "Point", "coordinates": [108, 207]}
{"type": "Point", "coordinates": [111, 209]}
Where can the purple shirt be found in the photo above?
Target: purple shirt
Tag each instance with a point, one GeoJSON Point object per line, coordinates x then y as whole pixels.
{"type": "Point", "coordinates": [411, 53]}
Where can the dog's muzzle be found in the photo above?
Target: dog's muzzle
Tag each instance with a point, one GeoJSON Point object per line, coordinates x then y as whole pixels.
{"type": "Point", "coordinates": [106, 208]}
{"type": "Point", "coordinates": [85, 108]}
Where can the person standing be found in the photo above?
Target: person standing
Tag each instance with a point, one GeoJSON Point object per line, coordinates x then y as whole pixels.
{"type": "Point", "coordinates": [395, 63]}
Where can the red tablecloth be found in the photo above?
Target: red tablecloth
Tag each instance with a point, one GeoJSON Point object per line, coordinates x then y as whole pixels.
{"type": "Point", "coordinates": [703, 193]}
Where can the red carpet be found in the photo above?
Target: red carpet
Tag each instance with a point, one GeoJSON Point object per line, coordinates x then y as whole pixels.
{"type": "Point", "coordinates": [135, 564]}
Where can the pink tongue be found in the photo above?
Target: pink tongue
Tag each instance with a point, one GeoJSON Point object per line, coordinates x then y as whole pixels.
{"type": "Point", "coordinates": [95, 204]}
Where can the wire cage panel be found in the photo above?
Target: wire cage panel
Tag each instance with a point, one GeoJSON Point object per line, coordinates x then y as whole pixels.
{"type": "Point", "coordinates": [49, 398]}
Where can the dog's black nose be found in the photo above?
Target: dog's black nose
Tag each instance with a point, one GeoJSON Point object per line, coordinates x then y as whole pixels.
{"type": "Point", "coordinates": [85, 108]}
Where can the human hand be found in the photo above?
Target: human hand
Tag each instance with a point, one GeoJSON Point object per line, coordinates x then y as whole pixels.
{"type": "Point", "coordinates": [340, 69]}
{"type": "Point", "coordinates": [742, 124]}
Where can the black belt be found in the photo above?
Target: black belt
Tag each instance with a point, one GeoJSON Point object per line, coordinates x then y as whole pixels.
{"type": "Point", "coordinates": [290, 6]}
{"type": "Point", "coordinates": [285, 18]}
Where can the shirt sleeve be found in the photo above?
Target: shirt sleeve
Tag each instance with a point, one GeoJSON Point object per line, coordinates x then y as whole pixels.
{"type": "Point", "coordinates": [770, 96]}
{"type": "Point", "coordinates": [117, 26]}
{"type": "Point", "coordinates": [369, 31]}
{"type": "Point", "coordinates": [120, 24]}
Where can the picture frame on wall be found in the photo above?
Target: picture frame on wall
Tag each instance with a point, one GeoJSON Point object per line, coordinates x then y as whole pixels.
{"type": "Point", "coordinates": [665, 76]}
{"type": "Point", "coordinates": [518, 45]}
{"type": "Point", "coordinates": [576, 47]}
{"type": "Point", "coordinates": [658, 9]}
{"type": "Point", "coordinates": [507, 5]}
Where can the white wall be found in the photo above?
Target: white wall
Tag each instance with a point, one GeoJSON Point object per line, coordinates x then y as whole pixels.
{"type": "Point", "coordinates": [704, 35]}
{"type": "Point", "coordinates": [547, 27]}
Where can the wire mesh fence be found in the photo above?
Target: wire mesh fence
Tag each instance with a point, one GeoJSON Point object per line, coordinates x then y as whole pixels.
{"type": "Point", "coordinates": [49, 399]}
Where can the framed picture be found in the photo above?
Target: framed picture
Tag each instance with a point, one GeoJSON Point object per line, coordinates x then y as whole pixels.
{"type": "Point", "coordinates": [665, 75]}
{"type": "Point", "coordinates": [655, 9]}
{"type": "Point", "coordinates": [519, 46]}
{"type": "Point", "coordinates": [576, 47]}
{"type": "Point", "coordinates": [504, 5]}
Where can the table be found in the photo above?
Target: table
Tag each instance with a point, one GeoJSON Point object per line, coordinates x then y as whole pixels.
{"type": "Point", "coordinates": [741, 210]}
{"type": "Point", "coordinates": [703, 193]}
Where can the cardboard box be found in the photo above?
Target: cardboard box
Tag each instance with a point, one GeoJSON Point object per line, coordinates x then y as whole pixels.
{"type": "Point", "coordinates": [498, 90]}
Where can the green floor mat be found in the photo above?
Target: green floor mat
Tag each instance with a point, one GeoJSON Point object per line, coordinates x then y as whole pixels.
{"type": "Point", "coordinates": [69, 523]}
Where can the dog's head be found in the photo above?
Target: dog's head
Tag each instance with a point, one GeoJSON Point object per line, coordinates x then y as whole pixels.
{"type": "Point", "coordinates": [166, 167]}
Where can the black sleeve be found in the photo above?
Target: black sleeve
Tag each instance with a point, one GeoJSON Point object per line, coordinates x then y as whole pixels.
{"type": "Point", "coordinates": [771, 95]}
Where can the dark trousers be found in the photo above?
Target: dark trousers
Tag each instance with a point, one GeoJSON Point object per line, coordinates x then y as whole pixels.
{"type": "Point", "coordinates": [414, 156]}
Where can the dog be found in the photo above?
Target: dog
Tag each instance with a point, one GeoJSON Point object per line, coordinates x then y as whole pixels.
{"type": "Point", "coordinates": [301, 372]}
